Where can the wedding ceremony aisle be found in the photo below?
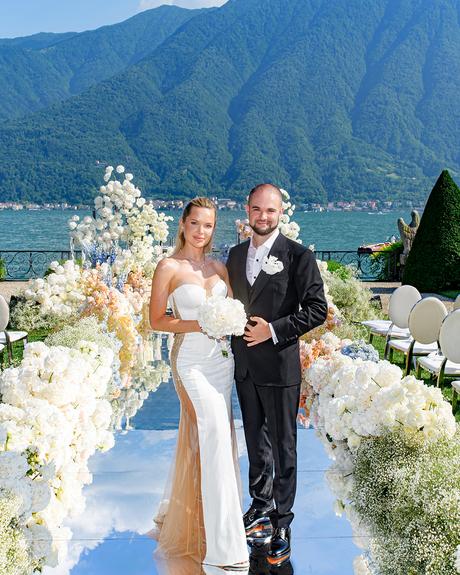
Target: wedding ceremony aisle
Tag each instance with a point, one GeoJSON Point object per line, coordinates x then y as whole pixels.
{"type": "Point", "coordinates": [128, 483]}
{"type": "Point", "coordinates": [89, 416]}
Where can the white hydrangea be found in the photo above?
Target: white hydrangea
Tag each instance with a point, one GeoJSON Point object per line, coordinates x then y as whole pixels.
{"type": "Point", "coordinates": [365, 399]}
{"type": "Point", "coordinates": [361, 566]}
{"type": "Point", "coordinates": [13, 466]}
{"type": "Point", "coordinates": [53, 417]}
{"type": "Point", "coordinates": [219, 316]}
{"type": "Point", "coordinates": [457, 559]}
{"type": "Point", "coordinates": [59, 293]}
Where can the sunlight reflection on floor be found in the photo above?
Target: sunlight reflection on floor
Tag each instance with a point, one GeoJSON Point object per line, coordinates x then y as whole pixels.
{"type": "Point", "coordinates": [128, 484]}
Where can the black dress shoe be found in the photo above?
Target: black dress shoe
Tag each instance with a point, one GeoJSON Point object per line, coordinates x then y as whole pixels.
{"type": "Point", "coordinates": [280, 546]}
{"type": "Point", "coordinates": [261, 537]}
{"type": "Point", "coordinates": [258, 561]}
{"type": "Point", "coordinates": [285, 568]}
{"type": "Point", "coordinates": [256, 520]}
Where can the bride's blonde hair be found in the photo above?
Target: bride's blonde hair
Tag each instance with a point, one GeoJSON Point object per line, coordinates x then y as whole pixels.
{"type": "Point", "coordinates": [200, 202]}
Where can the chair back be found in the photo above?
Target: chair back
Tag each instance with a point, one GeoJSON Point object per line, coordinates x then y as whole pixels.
{"type": "Point", "coordinates": [426, 318]}
{"type": "Point", "coordinates": [449, 336]}
{"type": "Point", "coordinates": [457, 302]}
{"type": "Point", "coordinates": [4, 313]}
{"type": "Point", "coordinates": [402, 301]}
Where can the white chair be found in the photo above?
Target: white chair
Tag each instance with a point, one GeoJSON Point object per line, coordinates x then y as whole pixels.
{"type": "Point", "coordinates": [425, 320]}
{"type": "Point", "coordinates": [457, 302]}
{"type": "Point", "coordinates": [455, 392]}
{"type": "Point", "coordinates": [446, 363]}
{"type": "Point", "coordinates": [402, 300]}
{"type": "Point", "coordinates": [456, 384]}
{"type": "Point", "coordinates": [9, 337]}
{"type": "Point", "coordinates": [380, 327]}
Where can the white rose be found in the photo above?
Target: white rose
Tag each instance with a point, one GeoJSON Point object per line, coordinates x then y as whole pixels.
{"type": "Point", "coordinates": [272, 265]}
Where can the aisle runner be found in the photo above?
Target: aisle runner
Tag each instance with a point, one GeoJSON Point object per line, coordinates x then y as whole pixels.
{"type": "Point", "coordinates": [129, 481]}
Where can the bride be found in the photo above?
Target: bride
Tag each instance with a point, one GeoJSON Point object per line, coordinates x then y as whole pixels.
{"type": "Point", "coordinates": [201, 515]}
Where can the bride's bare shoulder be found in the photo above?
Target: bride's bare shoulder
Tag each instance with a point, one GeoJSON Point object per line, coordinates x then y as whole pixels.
{"type": "Point", "coordinates": [219, 266]}
{"type": "Point", "coordinates": [167, 265]}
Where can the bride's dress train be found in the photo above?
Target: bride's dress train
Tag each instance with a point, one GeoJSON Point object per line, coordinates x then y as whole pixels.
{"type": "Point", "coordinates": [201, 514]}
{"type": "Point", "coordinates": [186, 566]}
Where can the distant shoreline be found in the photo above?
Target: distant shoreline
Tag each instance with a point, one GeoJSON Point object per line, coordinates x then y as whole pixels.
{"type": "Point", "coordinates": [239, 207]}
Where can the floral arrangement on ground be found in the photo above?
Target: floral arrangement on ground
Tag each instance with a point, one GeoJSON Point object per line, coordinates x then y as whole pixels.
{"type": "Point", "coordinates": [393, 440]}
{"type": "Point", "coordinates": [395, 448]}
{"type": "Point", "coordinates": [68, 394]}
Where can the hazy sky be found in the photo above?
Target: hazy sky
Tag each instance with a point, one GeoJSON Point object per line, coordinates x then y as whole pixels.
{"type": "Point", "coordinates": [26, 17]}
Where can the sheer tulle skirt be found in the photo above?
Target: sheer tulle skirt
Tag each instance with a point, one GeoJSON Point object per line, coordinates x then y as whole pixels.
{"type": "Point", "coordinates": [200, 517]}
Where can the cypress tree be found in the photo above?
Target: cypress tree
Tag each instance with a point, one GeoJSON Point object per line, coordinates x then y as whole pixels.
{"type": "Point", "coordinates": [434, 260]}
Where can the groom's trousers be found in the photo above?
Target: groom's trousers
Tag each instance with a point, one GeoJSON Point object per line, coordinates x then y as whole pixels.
{"type": "Point", "coordinates": [270, 428]}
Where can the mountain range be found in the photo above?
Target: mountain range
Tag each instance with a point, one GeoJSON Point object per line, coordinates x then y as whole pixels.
{"type": "Point", "coordinates": [331, 100]}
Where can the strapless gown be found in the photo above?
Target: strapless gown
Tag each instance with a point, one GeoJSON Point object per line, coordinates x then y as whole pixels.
{"type": "Point", "coordinates": [201, 515]}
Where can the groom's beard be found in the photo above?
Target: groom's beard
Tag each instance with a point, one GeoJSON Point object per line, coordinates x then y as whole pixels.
{"type": "Point", "coordinates": [264, 231]}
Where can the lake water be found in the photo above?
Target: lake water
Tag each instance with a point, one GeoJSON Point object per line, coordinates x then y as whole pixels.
{"type": "Point", "coordinates": [47, 229]}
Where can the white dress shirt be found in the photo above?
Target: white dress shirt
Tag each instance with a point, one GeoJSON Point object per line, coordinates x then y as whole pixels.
{"type": "Point", "coordinates": [254, 265]}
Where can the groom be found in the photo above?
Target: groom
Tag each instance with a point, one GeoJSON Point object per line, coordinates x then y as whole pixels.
{"type": "Point", "coordinates": [284, 299]}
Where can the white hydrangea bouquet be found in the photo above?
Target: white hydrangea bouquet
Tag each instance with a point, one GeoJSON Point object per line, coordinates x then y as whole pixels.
{"type": "Point", "coordinates": [221, 316]}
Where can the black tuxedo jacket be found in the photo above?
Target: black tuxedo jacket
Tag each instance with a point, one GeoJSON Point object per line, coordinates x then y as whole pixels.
{"type": "Point", "coordinates": [292, 300]}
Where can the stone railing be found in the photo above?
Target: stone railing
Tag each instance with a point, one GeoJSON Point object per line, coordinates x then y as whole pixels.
{"type": "Point", "coordinates": [26, 264]}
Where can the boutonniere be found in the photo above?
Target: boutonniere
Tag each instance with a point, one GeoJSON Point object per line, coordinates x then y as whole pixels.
{"type": "Point", "coordinates": [272, 265]}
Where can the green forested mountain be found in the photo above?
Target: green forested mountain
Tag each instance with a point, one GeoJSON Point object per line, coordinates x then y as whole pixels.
{"type": "Point", "coordinates": [327, 99]}
{"type": "Point", "coordinates": [36, 41]}
{"type": "Point", "coordinates": [43, 69]}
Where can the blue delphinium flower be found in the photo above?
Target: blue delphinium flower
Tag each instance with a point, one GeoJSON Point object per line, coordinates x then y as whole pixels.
{"type": "Point", "coordinates": [121, 280]}
{"type": "Point", "coordinates": [362, 350]}
{"type": "Point", "coordinates": [96, 254]}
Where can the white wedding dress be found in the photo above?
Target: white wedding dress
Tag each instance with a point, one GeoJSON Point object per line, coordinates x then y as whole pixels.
{"type": "Point", "coordinates": [201, 515]}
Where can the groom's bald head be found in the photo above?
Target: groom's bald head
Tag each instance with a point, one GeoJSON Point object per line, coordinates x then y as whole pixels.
{"type": "Point", "coordinates": [265, 189]}
{"type": "Point", "coordinates": [265, 206]}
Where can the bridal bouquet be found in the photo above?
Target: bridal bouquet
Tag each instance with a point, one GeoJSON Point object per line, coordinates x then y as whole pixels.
{"type": "Point", "coordinates": [219, 316]}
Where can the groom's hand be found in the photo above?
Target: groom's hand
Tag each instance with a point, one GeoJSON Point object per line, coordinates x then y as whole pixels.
{"type": "Point", "coordinates": [258, 332]}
